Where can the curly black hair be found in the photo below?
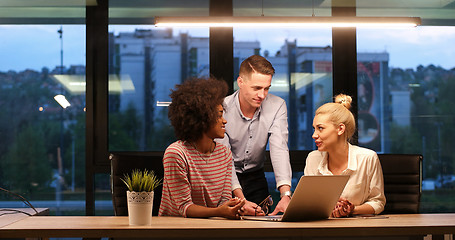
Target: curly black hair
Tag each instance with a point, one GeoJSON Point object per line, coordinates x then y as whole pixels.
{"type": "Point", "coordinates": [193, 110]}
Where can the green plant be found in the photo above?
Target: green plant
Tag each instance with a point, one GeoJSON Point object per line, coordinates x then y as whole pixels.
{"type": "Point", "coordinates": [141, 181]}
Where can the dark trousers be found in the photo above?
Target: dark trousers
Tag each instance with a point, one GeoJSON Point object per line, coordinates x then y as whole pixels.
{"type": "Point", "coordinates": [254, 185]}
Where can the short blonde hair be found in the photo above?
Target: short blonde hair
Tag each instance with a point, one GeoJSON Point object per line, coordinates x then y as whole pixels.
{"type": "Point", "coordinates": [339, 112]}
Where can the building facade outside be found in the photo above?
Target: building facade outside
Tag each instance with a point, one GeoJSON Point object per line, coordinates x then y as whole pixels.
{"type": "Point", "coordinates": [154, 61]}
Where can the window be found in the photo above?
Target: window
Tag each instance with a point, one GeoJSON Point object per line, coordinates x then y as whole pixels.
{"type": "Point", "coordinates": [405, 102]}
{"type": "Point", "coordinates": [405, 108]}
{"type": "Point", "coordinates": [42, 153]}
{"type": "Point", "coordinates": [146, 63]}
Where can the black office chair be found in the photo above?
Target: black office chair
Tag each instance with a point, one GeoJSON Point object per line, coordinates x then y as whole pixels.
{"type": "Point", "coordinates": [402, 182]}
{"type": "Point", "coordinates": [125, 162]}
{"type": "Point", "coordinates": [297, 159]}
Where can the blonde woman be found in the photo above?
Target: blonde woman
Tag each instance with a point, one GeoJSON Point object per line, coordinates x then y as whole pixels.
{"type": "Point", "coordinates": [334, 126]}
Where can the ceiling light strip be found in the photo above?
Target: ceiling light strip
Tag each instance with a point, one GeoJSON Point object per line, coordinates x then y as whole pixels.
{"type": "Point", "coordinates": [287, 21]}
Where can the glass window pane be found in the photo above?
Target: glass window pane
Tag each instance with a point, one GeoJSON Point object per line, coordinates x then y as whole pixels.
{"type": "Point", "coordinates": [406, 103]}
{"type": "Point", "coordinates": [143, 12]}
{"type": "Point", "coordinates": [103, 195]}
{"type": "Point", "coordinates": [145, 64]}
{"type": "Point", "coordinates": [42, 148]}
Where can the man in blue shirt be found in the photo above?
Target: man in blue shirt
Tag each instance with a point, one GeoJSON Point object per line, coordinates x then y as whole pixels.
{"type": "Point", "coordinates": [255, 118]}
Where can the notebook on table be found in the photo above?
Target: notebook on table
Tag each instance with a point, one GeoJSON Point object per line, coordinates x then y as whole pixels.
{"type": "Point", "coordinates": [314, 198]}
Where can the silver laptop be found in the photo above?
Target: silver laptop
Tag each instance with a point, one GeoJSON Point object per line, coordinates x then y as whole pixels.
{"type": "Point", "coordinates": [314, 198]}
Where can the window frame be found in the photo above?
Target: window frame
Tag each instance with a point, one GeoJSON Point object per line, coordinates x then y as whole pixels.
{"type": "Point", "coordinates": [221, 43]}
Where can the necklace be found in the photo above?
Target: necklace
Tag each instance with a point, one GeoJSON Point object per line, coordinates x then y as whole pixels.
{"type": "Point", "coordinates": [201, 155]}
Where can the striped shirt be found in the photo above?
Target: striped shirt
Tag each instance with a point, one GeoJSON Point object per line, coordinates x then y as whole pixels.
{"type": "Point", "coordinates": [191, 177]}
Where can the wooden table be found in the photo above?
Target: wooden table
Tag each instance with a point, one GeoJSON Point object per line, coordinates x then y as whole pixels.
{"type": "Point", "coordinates": [178, 228]}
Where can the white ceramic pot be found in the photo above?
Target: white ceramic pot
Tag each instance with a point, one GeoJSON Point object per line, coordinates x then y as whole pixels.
{"type": "Point", "coordinates": [140, 205]}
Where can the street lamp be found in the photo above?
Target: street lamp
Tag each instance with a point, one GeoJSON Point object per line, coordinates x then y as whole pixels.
{"type": "Point", "coordinates": [60, 32]}
{"type": "Point", "coordinates": [61, 99]}
{"type": "Point", "coordinates": [64, 103]}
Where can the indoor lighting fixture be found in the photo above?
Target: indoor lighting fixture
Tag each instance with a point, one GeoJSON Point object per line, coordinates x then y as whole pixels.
{"type": "Point", "coordinates": [62, 101]}
{"type": "Point", "coordinates": [163, 104]}
{"type": "Point", "coordinates": [300, 22]}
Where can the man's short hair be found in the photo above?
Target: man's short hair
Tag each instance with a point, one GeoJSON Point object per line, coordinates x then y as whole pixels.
{"type": "Point", "coordinates": [255, 63]}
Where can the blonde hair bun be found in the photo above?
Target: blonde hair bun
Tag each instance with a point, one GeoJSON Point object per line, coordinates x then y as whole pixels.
{"type": "Point", "coordinates": [344, 100]}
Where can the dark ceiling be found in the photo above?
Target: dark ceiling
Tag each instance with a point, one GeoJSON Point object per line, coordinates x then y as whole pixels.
{"type": "Point", "coordinates": [432, 12]}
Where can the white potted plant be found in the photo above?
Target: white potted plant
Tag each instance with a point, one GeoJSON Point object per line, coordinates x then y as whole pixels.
{"type": "Point", "coordinates": [141, 185]}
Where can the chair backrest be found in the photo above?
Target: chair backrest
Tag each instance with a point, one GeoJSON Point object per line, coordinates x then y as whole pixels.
{"type": "Point", "coordinates": [402, 179]}
{"type": "Point", "coordinates": [402, 182]}
{"type": "Point", "coordinates": [297, 159]}
{"type": "Point", "coordinates": [124, 163]}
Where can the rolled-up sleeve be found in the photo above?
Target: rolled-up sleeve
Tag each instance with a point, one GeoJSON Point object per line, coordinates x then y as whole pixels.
{"type": "Point", "coordinates": [376, 198]}
{"type": "Point", "coordinates": [278, 143]}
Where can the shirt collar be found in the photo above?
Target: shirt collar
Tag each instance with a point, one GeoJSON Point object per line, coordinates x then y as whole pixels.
{"type": "Point", "coordinates": [352, 162]}
{"type": "Point", "coordinates": [237, 105]}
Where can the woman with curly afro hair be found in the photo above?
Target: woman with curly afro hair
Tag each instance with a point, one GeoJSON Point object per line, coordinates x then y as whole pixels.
{"type": "Point", "coordinates": [197, 170]}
